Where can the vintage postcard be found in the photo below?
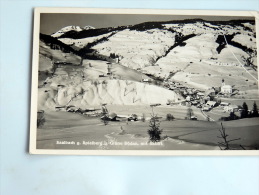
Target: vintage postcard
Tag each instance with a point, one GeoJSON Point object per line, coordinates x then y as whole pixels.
{"type": "Point", "coordinates": [144, 82]}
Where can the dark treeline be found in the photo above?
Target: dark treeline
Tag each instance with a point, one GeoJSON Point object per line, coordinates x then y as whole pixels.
{"type": "Point", "coordinates": [88, 48]}
{"type": "Point", "coordinates": [84, 53]}
{"type": "Point", "coordinates": [54, 43]}
{"type": "Point", "coordinates": [151, 25]}
{"type": "Point", "coordinates": [222, 43]}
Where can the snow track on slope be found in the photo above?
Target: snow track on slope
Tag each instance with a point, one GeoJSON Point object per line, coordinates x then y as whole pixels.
{"type": "Point", "coordinates": [238, 60]}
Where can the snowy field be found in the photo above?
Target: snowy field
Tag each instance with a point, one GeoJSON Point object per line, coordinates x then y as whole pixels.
{"type": "Point", "coordinates": [178, 134]}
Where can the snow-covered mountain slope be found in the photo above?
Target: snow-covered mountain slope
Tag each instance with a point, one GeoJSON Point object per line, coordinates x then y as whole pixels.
{"type": "Point", "coordinates": [57, 55]}
{"type": "Point", "coordinates": [70, 28]}
{"type": "Point", "coordinates": [137, 49]}
{"type": "Point", "coordinates": [174, 46]}
{"type": "Point", "coordinates": [45, 63]}
{"type": "Point", "coordinates": [95, 93]}
{"type": "Point", "coordinates": [66, 29]}
{"type": "Point", "coordinates": [51, 54]}
{"type": "Point", "coordinates": [197, 54]}
{"type": "Point", "coordinates": [94, 68]}
{"type": "Point", "coordinates": [146, 44]}
{"type": "Point", "coordinates": [199, 49]}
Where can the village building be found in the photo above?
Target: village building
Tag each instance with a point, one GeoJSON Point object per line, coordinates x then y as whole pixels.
{"type": "Point", "coordinates": [210, 92]}
{"type": "Point", "coordinates": [189, 98]}
{"type": "Point", "coordinates": [175, 103]}
{"type": "Point", "coordinates": [206, 108]}
{"type": "Point", "coordinates": [211, 104]}
{"type": "Point", "coordinates": [60, 108]}
{"type": "Point", "coordinates": [226, 89]}
{"type": "Point", "coordinates": [231, 108]}
{"type": "Point", "coordinates": [180, 86]}
{"type": "Point", "coordinates": [71, 108]}
{"type": "Point", "coordinates": [60, 86]}
{"type": "Point", "coordinates": [189, 91]}
{"type": "Point", "coordinates": [196, 97]}
{"type": "Point", "coordinates": [172, 87]}
{"type": "Point", "coordinates": [224, 104]}
{"type": "Point", "coordinates": [194, 102]}
{"type": "Point", "coordinates": [200, 95]}
{"type": "Point", "coordinates": [146, 80]}
{"type": "Point", "coordinates": [194, 118]}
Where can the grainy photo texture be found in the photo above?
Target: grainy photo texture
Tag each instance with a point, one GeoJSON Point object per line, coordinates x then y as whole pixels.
{"type": "Point", "coordinates": [144, 82]}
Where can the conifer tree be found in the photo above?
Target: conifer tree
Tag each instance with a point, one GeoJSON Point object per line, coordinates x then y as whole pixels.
{"type": "Point", "coordinates": [154, 130]}
{"type": "Point", "coordinates": [244, 113]}
{"type": "Point", "coordinates": [255, 110]}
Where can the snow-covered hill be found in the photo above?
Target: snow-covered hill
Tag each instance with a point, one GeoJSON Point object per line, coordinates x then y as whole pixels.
{"type": "Point", "coordinates": [95, 93]}
{"type": "Point", "coordinates": [144, 44]}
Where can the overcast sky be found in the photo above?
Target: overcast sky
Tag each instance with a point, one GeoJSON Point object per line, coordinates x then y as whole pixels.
{"type": "Point", "coordinates": [51, 23]}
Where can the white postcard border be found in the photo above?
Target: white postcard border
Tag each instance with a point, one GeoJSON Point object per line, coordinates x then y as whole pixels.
{"type": "Point", "coordinates": [34, 81]}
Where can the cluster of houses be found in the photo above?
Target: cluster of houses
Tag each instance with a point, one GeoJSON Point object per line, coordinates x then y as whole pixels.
{"type": "Point", "coordinates": [102, 112]}
{"type": "Point", "coordinates": [206, 100]}
{"type": "Point", "coordinates": [74, 109]}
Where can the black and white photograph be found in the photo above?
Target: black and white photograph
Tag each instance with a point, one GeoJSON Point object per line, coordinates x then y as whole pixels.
{"type": "Point", "coordinates": [144, 82]}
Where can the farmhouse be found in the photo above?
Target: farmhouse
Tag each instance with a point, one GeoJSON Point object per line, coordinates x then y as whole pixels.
{"type": "Point", "coordinates": [194, 118]}
{"type": "Point", "coordinates": [200, 94]}
{"type": "Point", "coordinates": [211, 104]}
{"type": "Point", "coordinates": [224, 104]}
{"type": "Point", "coordinates": [206, 108]}
{"type": "Point", "coordinates": [231, 108]}
{"type": "Point", "coordinates": [70, 108]}
{"type": "Point", "coordinates": [60, 86]}
{"type": "Point", "coordinates": [188, 98]}
{"type": "Point", "coordinates": [60, 108]}
{"type": "Point", "coordinates": [194, 102]}
{"type": "Point", "coordinates": [146, 80]}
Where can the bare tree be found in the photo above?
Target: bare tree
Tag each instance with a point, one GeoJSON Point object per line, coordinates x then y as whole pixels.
{"type": "Point", "coordinates": [225, 144]}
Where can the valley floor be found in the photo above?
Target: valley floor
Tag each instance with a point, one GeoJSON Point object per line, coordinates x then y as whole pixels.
{"type": "Point", "coordinates": [63, 130]}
